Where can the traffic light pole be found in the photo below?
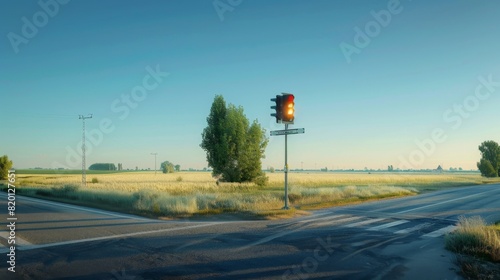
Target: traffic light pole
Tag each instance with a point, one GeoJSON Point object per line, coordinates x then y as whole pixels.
{"type": "Point", "coordinates": [286, 169]}
{"type": "Point", "coordinates": [285, 113]}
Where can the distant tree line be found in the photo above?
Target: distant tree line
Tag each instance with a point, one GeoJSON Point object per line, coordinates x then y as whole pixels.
{"type": "Point", "coordinates": [103, 166]}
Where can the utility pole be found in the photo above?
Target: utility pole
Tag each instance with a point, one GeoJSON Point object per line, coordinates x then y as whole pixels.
{"type": "Point", "coordinates": [84, 167]}
{"type": "Point", "coordinates": [286, 169]}
{"type": "Point", "coordinates": [155, 154]}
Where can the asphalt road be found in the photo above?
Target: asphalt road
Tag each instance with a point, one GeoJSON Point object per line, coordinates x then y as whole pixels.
{"type": "Point", "coordinates": [391, 239]}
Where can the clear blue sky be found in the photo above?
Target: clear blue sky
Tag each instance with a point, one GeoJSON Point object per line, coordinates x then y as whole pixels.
{"type": "Point", "coordinates": [406, 76]}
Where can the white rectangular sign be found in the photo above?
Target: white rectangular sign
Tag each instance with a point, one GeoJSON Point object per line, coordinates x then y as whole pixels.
{"type": "Point", "coordinates": [288, 131]}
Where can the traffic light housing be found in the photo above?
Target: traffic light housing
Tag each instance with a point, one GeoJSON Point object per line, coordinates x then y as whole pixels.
{"type": "Point", "coordinates": [288, 108]}
{"type": "Point", "coordinates": [278, 107]}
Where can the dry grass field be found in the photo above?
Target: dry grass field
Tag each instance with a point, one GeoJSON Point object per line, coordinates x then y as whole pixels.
{"type": "Point", "coordinates": [192, 193]}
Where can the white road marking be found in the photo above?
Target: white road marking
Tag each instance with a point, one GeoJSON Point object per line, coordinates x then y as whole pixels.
{"type": "Point", "coordinates": [85, 209]}
{"type": "Point", "coordinates": [324, 218]}
{"type": "Point", "coordinates": [412, 229]}
{"type": "Point", "coordinates": [287, 232]}
{"type": "Point", "coordinates": [444, 202]}
{"type": "Point", "coordinates": [335, 222]}
{"type": "Point", "coordinates": [19, 240]}
{"type": "Point", "coordinates": [371, 247]}
{"type": "Point", "coordinates": [197, 241]}
{"type": "Point", "coordinates": [440, 232]}
{"type": "Point", "coordinates": [384, 226]}
{"type": "Point", "coordinates": [362, 223]}
{"type": "Point", "coordinates": [267, 239]}
{"type": "Point", "coordinates": [33, 246]}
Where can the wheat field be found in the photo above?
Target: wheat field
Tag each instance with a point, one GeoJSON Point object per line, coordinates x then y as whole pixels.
{"type": "Point", "coordinates": [187, 182]}
{"type": "Point", "coordinates": [188, 193]}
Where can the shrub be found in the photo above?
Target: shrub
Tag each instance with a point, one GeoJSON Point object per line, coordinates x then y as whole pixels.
{"type": "Point", "coordinates": [294, 197]}
{"type": "Point", "coordinates": [94, 181]}
{"type": "Point", "coordinates": [473, 237]}
{"type": "Point", "coordinates": [145, 199]}
{"type": "Point", "coordinates": [43, 192]}
{"type": "Point", "coordinates": [261, 181]}
{"type": "Point", "coordinates": [70, 188]}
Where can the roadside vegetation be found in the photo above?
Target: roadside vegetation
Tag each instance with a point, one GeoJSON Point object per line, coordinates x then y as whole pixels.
{"type": "Point", "coordinates": [184, 194]}
{"type": "Point", "coordinates": [478, 248]}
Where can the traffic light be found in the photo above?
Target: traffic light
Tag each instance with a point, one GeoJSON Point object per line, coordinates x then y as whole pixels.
{"type": "Point", "coordinates": [288, 108]}
{"type": "Point", "coordinates": [278, 107]}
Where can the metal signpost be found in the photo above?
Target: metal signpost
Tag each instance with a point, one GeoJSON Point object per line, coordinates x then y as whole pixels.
{"type": "Point", "coordinates": [285, 113]}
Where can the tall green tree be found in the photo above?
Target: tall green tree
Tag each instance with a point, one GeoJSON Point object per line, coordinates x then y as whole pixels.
{"type": "Point", "coordinates": [5, 166]}
{"type": "Point", "coordinates": [489, 165]}
{"type": "Point", "coordinates": [254, 149]}
{"type": "Point", "coordinates": [235, 135]}
{"type": "Point", "coordinates": [234, 147]}
{"type": "Point", "coordinates": [214, 138]}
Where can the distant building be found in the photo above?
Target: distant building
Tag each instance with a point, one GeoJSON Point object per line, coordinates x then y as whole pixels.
{"type": "Point", "coordinates": [439, 169]}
